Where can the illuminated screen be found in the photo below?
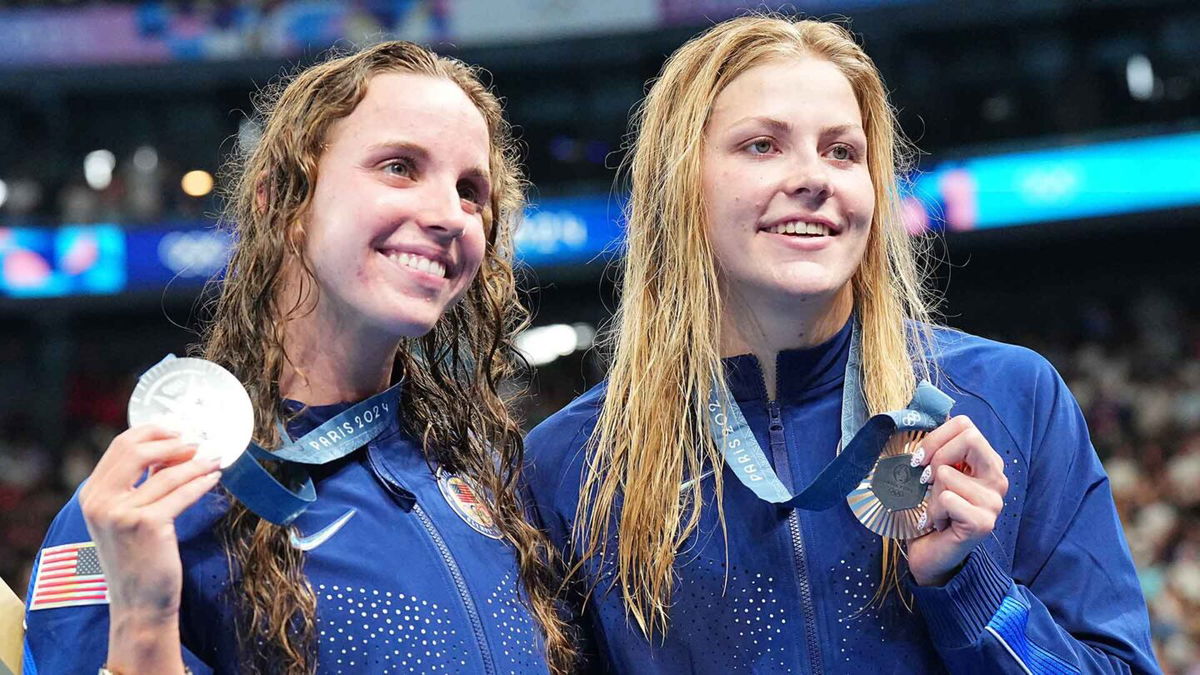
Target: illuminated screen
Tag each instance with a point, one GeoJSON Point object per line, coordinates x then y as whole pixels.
{"type": "Point", "coordinates": [1065, 183]}
{"type": "Point", "coordinates": [1020, 188]}
{"type": "Point", "coordinates": [70, 260]}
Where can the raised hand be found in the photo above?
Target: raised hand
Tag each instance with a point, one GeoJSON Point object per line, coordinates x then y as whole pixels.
{"type": "Point", "coordinates": [966, 496]}
{"type": "Point", "coordinates": [133, 526]}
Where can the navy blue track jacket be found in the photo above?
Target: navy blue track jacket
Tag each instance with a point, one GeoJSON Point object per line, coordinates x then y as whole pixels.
{"type": "Point", "coordinates": [1053, 591]}
{"type": "Point", "coordinates": [406, 585]}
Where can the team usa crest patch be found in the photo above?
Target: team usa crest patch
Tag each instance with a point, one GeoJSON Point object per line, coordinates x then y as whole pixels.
{"type": "Point", "coordinates": [69, 576]}
{"type": "Point", "coordinates": [466, 503]}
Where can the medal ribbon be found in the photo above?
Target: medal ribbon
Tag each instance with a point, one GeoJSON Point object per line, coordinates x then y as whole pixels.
{"type": "Point", "coordinates": [862, 441]}
{"type": "Point", "coordinates": [249, 481]}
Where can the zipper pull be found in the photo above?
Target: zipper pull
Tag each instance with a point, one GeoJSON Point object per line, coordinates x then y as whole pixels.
{"type": "Point", "coordinates": [779, 453]}
{"type": "Point", "coordinates": [776, 420]}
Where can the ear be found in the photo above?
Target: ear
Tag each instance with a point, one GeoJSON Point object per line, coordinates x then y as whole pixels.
{"type": "Point", "coordinates": [262, 193]}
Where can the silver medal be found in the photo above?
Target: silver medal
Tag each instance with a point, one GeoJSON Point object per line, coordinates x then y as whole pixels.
{"type": "Point", "coordinates": [201, 401]}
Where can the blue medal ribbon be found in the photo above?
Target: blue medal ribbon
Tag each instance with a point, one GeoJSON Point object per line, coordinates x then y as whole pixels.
{"type": "Point", "coordinates": [249, 481]}
{"type": "Point", "coordinates": [862, 442]}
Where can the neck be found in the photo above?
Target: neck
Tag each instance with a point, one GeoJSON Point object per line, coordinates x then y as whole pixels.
{"type": "Point", "coordinates": [765, 329]}
{"type": "Point", "coordinates": [336, 363]}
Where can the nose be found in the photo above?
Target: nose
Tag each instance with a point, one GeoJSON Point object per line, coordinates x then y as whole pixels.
{"type": "Point", "coordinates": [441, 212]}
{"type": "Point", "coordinates": [808, 176]}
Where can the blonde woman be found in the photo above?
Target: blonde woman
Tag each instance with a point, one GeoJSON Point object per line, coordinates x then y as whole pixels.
{"type": "Point", "coordinates": [372, 267]}
{"type": "Point", "coordinates": [771, 301]}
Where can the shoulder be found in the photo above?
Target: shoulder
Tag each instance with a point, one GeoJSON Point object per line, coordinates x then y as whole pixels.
{"type": "Point", "coordinates": [195, 523]}
{"type": "Point", "coordinates": [68, 526]}
{"type": "Point", "coordinates": [568, 428]}
{"type": "Point", "coordinates": [1015, 385]}
{"type": "Point", "coordinates": [991, 370]}
{"type": "Point", "coordinates": [555, 448]}
{"type": "Point", "coordinates": [970, 357]}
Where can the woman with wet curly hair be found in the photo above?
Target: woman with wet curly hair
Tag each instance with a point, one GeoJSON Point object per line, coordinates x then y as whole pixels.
{"type": "Point", "coordinates": [373, 254]}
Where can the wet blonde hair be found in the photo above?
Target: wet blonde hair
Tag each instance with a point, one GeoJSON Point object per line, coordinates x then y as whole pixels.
{"type": "Point", "coordinates": [452, 395]}
{"type": "Point", "coordinates": [652, 432]}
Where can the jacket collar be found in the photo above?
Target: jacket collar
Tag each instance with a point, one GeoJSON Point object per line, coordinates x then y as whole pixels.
{"type": "Point", "coordinates": [798, 371]}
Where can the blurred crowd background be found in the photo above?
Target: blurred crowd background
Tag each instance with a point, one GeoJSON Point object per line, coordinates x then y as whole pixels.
{"type": "Point", "coordinates": [1059, 181]}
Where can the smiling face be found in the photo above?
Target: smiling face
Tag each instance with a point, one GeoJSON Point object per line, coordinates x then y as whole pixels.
{"type": "Point", "coordinates": [395, 230]}
{"type": "Point", "coordinates": [787, 190]}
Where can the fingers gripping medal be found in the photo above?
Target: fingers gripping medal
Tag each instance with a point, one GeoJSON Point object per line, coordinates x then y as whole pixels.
{"type": "Point", "coordinates": [891, 500]}
{"type": "Point", "coordinates": [201, 401]}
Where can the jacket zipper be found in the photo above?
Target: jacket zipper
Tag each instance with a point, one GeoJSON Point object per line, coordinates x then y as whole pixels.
{"type": "Point", "coordinates": [783, 469]}
{"type": "Point", "coordinates": [407, 497]}
{"type": "Point", "coordinates": [460, 583]}
{"type": "Point", "coordinates": [806, 602]}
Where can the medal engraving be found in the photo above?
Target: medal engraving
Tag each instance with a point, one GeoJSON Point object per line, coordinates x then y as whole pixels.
{"type": "Point", "coordinates": [201, 401]}
{"type": "Point", "coordinates": [891, 500]}
{"type": "Point", "coordinates": [897, 485]}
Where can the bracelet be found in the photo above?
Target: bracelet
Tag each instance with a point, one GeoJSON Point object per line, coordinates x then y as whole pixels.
{"type": "Point", "coordinates": [104, 670]}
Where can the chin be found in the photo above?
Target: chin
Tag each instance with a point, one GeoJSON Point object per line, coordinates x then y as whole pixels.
{"type": "Point", "coordinates": [406, 326]}
{"type": "Point", "coordinates": [809, 289]}
{"type": "Point", "coordinates": [406, 316]}
{"type": "Point", "coordinates": [415, 329]}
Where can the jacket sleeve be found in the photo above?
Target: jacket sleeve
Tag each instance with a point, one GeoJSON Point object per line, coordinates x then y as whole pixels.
{"type": "Point", "coordinates": [74, 638]}
{"type": "Point", "coordinates": [1072, 603]}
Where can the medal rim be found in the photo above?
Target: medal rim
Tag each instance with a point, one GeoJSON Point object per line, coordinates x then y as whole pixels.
{"type": "Point", "coordinates": [233, 394]}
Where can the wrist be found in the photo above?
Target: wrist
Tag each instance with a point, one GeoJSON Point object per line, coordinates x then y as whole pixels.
{"type": "Point", "coordinates": [957, 612]}
{"type": "Point", "coordinates": [937, 579]}
{"type": "Point", "coordinates": [141, 641]}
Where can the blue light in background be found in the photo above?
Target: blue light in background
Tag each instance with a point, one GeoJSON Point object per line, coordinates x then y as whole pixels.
{"type": "Point", "coordinates": [569, 231]}
{"type": "Point", "coordinates": [1066, 183]}
{"type": "Point", "coordinates": [1020, 188]}
{"type": "Point", "coordinates": [70, 260]}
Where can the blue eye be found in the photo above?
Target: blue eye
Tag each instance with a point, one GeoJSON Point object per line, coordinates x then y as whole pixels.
{"type": "Point", "coordinates": [842, 153]}
{"type": "Point", "coordinates": [400, 167]}
{"type": "Point", "coordinates": [761, 147]}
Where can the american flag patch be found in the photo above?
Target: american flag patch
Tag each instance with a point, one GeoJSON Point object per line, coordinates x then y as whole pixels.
{"type": "Point", "coordinates": [465, 493]}
{"type": "Point", "coordinates": [69, 576]}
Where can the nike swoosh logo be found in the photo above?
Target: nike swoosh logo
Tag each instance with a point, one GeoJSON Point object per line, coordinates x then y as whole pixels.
{"type": "Point", "coordinates": [688, 483]}
{"type": "Point", "coordinates": [320, 537]}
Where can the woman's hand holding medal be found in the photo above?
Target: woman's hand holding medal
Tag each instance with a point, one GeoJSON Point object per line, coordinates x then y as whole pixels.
{"type": "Point", "coordinates": [133, 527]}
{"type": "Point", "coordinates": [968, 487]}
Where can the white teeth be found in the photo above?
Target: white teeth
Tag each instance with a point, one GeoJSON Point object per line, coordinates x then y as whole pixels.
{"type": "Point", "coordinates": [419, 263]}
{"type": "Point", "coordinates": [800, 227]}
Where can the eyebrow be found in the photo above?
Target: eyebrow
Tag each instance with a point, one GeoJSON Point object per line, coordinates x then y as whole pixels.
{"type": "Point", "coordinates": [398, 146]}
{"type": "Point", "coordinates": [779, 126]}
